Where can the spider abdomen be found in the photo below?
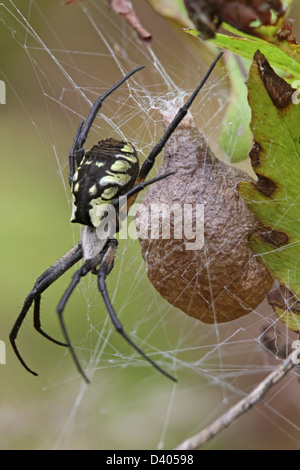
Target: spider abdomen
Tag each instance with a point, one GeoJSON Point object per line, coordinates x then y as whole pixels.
{"type": "Point", "coordinates": [108, 170]}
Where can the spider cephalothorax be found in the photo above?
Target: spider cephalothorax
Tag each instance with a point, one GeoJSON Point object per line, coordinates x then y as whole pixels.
{"type": "Point", "coordinates": [98, 179]}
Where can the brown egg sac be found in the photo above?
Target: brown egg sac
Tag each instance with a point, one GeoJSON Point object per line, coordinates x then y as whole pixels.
{"type": "Point", "coordinates": [223, 279]}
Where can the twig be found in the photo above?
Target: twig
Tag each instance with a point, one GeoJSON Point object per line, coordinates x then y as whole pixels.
{"type": "Point", "coordinates": [242, 406]}
{"type": "Point", "coordinates": [125, 9]}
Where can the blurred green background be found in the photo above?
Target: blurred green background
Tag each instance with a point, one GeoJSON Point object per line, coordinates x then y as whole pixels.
{"type": "Point", "coordinates": [48, 51]}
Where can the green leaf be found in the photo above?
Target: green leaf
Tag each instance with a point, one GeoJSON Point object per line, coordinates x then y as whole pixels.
{"type": "Point", "coordinates": [275, 158]}
{"type": "Point", "coordinates": [236, 138]}
{"type": "Point", "coordinates": [286, 57]}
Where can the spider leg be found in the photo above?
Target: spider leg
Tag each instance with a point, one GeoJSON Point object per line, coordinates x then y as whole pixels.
{"type": "Point", "coordinates": [37, 321]}
{"type": "Point", "coordinates": [149, 162]}
{"type": "Point", "coordinates": [42, 283]}
{"type": "Point", "coordinates": [77, 151]}
{"type": "Point", "coordinates": [103, 271]}
{"type": "Point", "coordinates": [139, 187]}
{"type": "Point", "coordinates": [88, 266]}
{"type": "Point", "coordinates": [75, 155]}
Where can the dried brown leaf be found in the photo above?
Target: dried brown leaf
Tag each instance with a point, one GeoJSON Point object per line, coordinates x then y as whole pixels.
{"type": "Point", "coordinates": [207, 15]}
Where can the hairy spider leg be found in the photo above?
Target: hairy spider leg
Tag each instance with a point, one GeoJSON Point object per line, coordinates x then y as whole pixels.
{"type": "Point", "coordinates": [77, 151]}
{"type": "Point", "coordinates": [42, 283]}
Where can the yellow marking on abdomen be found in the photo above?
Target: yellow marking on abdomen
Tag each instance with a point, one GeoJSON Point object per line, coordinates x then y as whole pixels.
{"type": "Point", "coordinates": [127, 148]}
{"type": "Point", "coordinates": [109, 193]}
{"type": "Point", "coordinates": [120, 166]}
{"type": "Point", "coordinates": [98, 210]}
{"type": "Point", "coordinates": [118, 179]}
{"type": "Point", "coordinates": [130, 158]}
{"type": "Point", "coordinates": [93, 190]}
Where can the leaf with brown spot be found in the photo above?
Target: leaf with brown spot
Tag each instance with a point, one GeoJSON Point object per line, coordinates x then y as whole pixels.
{"type": "Point", "coordinates": [275, 238]}
{"type": "Point", "coordinates": [286, 306]}
{"type": "Point", "coordinates": [278, 89]}
{"type": "Point", "coordinates": [275, 158]}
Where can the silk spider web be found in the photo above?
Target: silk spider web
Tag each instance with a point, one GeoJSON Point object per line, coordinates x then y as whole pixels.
{"type": "Point", "coordinates": [55, 65]}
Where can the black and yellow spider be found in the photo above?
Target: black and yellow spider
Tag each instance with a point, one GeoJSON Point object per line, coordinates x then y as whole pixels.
{"type": "Point", "coordinates": [98, 179]}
